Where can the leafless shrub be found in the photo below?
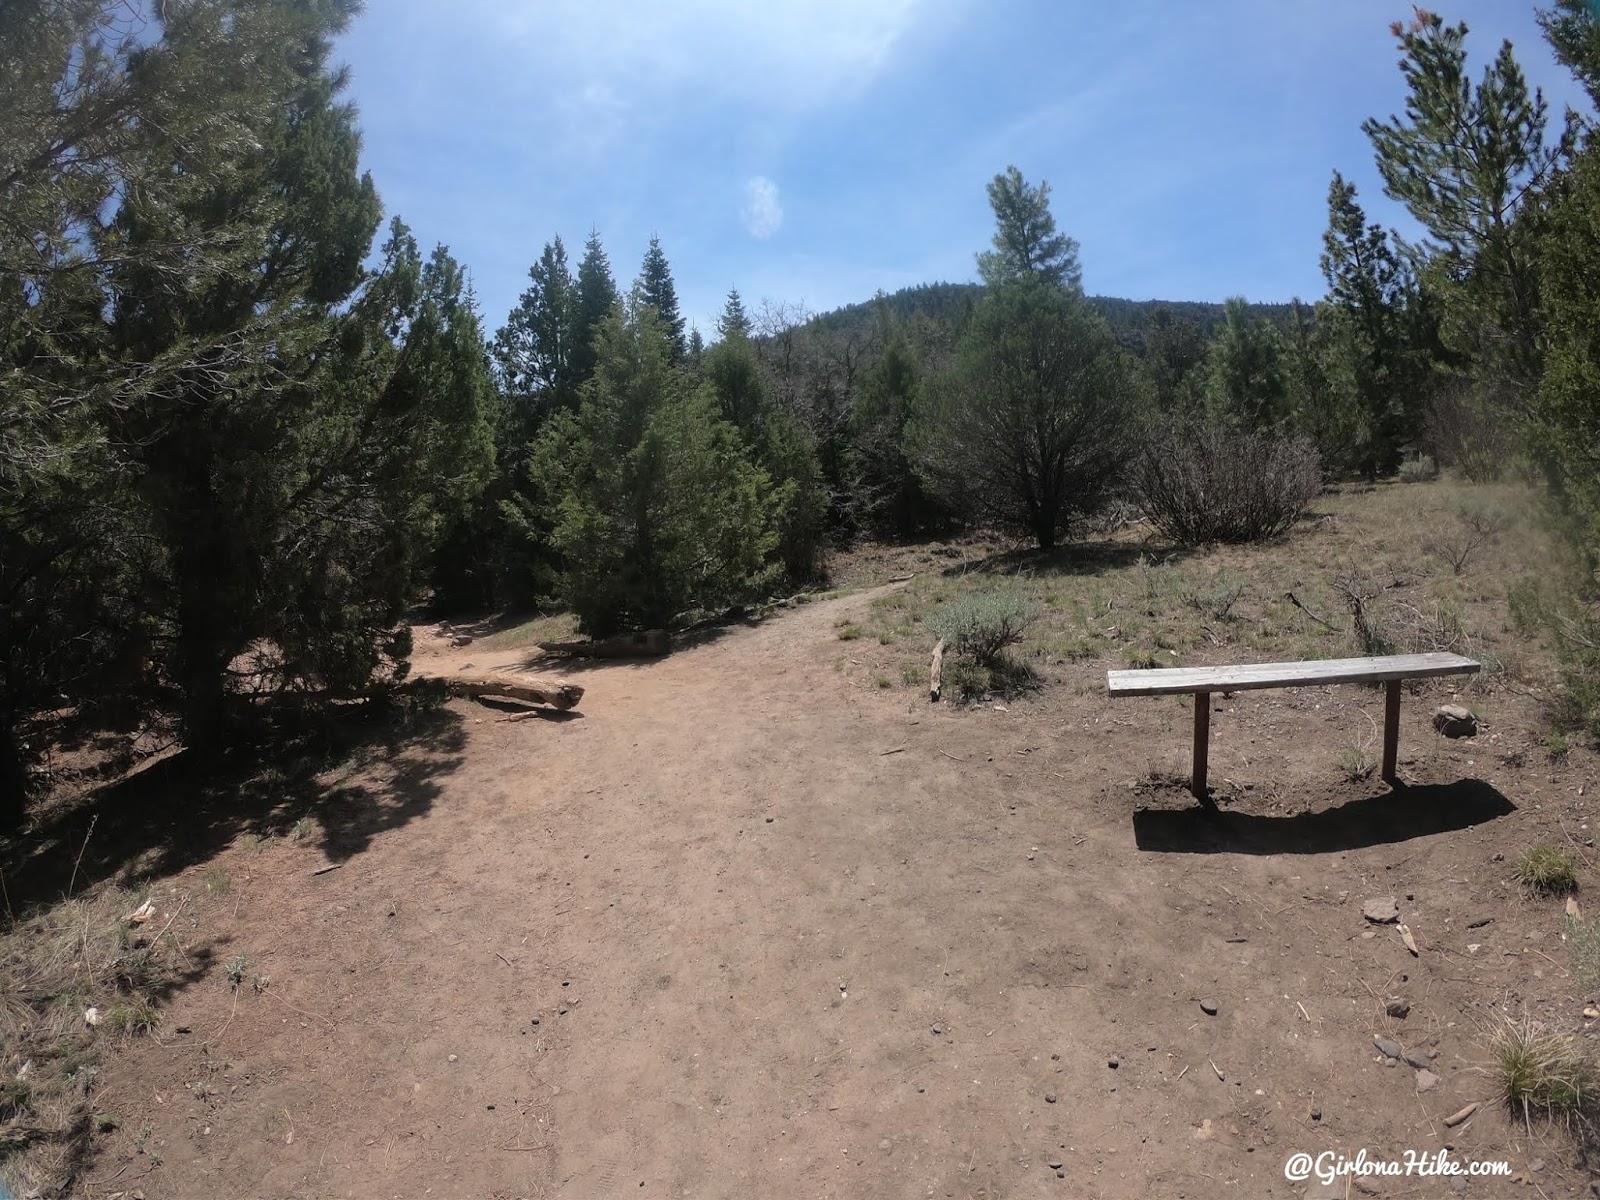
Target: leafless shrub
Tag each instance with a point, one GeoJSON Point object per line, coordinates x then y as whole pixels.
{"type": "Point", "coordinates": [1214, 483]}
{"type": "Point", "coordinates": [1475, 526]}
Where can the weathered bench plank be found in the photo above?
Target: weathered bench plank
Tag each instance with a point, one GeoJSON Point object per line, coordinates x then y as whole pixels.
{"type": "Point", "coordinates": [1200, 682]}
{"type": "Point", "coordinates": [1177, 680]}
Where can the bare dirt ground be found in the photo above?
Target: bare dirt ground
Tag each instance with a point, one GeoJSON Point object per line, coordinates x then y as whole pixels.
{"type": "Point", "coordinates": [750, 927]}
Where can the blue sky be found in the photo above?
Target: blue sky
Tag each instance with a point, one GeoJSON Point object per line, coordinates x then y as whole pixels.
{"type": "Point", "coordinates": [814, 151]}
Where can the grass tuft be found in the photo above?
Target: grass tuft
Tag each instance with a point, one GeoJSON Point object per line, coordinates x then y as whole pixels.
{"type": "Point", "coordinates": [1547, 870]}
{"type": "Point", "coordinates": [1544, 1072]}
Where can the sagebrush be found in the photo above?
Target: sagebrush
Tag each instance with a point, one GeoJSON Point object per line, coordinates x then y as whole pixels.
{"type": "Point", "coordinates": [983, 624]}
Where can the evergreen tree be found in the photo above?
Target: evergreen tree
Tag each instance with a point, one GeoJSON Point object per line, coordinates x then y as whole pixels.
{"type": "Point", "coordinates": [659, 508]}
{"type": "Point", "coordinates": [1026, 243]}
{"type": "Point", "coordinates": [894, 503]}
{"type": "Point", "coordinates": [1244, 381]}
{"type": "Point", "coordinates": [1035, 425]}
{"type": "Point", "coordinates": [1467, 160]}
{"type": "Point", "coordinates": [733, 322]}
{"type": "Point", "coordinates": [1573, 32]}
{"type": "Point", "coordinates": [596, 299]}
{"type": "Point", "coordinates": [694, 356]}
{"type": "Point", "coordinates": [655, 288]}
{"type": "Point", "coordinates": [534, 350]}
{"type": "Point", "coordinates": [1174, 353]}
{"type": "Point", "coordinates": [1374, 368]}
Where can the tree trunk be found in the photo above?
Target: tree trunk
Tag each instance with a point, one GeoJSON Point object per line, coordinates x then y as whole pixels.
{"type": "Point", "coordinates": [202, 661]}
{"type": "Point", "coordinates": [13, 777]}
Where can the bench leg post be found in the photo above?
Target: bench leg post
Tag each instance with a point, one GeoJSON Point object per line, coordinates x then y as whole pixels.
{"type": "Point", "coordinates": [1202, 743]}
{"type": "Point", "coordinates": [1391, 729]}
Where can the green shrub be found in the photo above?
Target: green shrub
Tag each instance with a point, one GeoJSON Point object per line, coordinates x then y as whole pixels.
{"type": "Point", "coordinates": [1419, 468]}
{"type": "Point", "coordinates": [982, 625]}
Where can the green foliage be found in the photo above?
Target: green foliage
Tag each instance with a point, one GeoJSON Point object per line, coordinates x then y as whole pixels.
{"type": "Point", "coordinates": [1373, 371]}
{"type": "Point", "coordinates": [1418, 468]}
{"type": "Point", "coordinates": [981, 625]}
{"type": "Point", "coordinates": [1175, 353]}
{"type": "Point", "coordinates": [595, 298]}
{"type": "Point", "coordinates": [655, 288]}
{"type": "Point", "coordinates": [660, 509]}
{"type": "Point", "coordinates": [1026, 244]}
{"type": "Point", "coordinates": [892, 501]}
{"type": "Point", "coordinates": [1583, 946]}
{"type": "Point", "coordinates": [1035, 423]}
{"type": "Point", "coordinates": [1548, 870]}
{"type": "Point", "coordinates": [1468, 161]}
{"type": "Point", "coordinates": [734, 321]}
{"type": "Point", "coordinates": [1244, 375]}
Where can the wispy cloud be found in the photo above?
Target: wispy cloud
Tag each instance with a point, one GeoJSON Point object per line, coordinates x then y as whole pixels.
{"type": "Point", "coordinates": [762, 213]}
{"type": "Point", "coordinates": [779, 55]}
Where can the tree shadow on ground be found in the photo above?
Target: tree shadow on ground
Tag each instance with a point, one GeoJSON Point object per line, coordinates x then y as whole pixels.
{"type": "Point", "coordinates": [1074, 558]}
{"type": "Point", "coordinates": [353, 774]}
{"type": "Point", "coordinates": [546, 662]}
{"type": "Point", "coordinates": [1397, 816]}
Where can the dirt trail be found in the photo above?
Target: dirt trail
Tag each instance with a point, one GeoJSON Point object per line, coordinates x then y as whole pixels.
{"type": "Point", "coordinates": [744, 928]}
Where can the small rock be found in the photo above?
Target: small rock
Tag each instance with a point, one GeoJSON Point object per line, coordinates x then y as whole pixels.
{"type": "Point", "coordinates": [885, 1144]}
{"type": "Point", "coordinates": [1426, 1080]}
{"type": "Point", "coordinates": [1316, 1114]}
{"type": "Point", "coordinates": [1387, 1047]}
{"type": "Point", "coordinates": [1209, 1007]}
{"type": "Point", "coordinates": [938, 1029]}
{"type": "Point", "coordinates": [1049, 1097]}
{"type": "Point", "coordinates": [1054, 1164]}
{"type": "Point", "coordinates": [1418, 1059]}
{"type": "Point", "coordinates": [1454, 721]}
{"type": "Point", "coordinates": [452, 1058]}
{"type": "Point", "coordinates": [1381, 910]}
{"type": "Point", "coordinates": [461, 639]}
{"type": "Point", "coordinates": [1398, 1009]}
{"type": "Point", "coordinates": [1113, 1062]}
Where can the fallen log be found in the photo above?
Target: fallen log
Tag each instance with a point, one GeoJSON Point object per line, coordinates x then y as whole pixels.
{"type": "Point", "coordinates": [935, 670]}
{"type": "Point", "coordinates": [557, 693]}
{"type": "Point", "coordinates": [652, 643]}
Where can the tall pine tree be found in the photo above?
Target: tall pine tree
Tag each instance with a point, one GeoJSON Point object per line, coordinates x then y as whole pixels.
{"type": "Point", "coordinates": [655, 288]}
{"type": "Point", "coordinates": [596, 299]}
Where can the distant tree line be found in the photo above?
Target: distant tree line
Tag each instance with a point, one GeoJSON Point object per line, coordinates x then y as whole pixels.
{"type": "Point", "coordinates": [237, 445]}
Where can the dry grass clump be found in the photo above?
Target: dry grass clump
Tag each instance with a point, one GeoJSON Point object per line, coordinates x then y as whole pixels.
{"type": "Point", "coordinates": [71, 976]}
{"type": "Point", "coordinates": [1544, 1072]}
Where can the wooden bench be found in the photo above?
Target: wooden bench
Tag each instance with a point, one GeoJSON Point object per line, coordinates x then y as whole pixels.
{"type": "Point", "coordinates": [1200, 682]}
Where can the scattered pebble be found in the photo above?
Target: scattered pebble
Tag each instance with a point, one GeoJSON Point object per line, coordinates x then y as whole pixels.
{"type": "Point", "coordinates": [1426, 1080]}
{"type": "Point", "coordinates": [1054, 1164]}
{"type": "Point", "coordinates": [452, 1058]}
{"type": "Point", "coordinates": [885, 1144]}
{"type": "Point", "coordinates": [1316, 1114]}
{"type": "Point", "coordinates": [1388, 1047]}
{"type": "Point", "coordinates": [1113, 1062]}
{"type": "Point", "coordinates": [1049, 1097]}
{"type": "Point", "coordinates": [1209, 1007]}
{"type": "Point", "coordinates": [1418, 1059]}
{"type": "Point", "coordinates": [937, 1029]}
{"type": "Point", "coordinates": [1398, 1009]}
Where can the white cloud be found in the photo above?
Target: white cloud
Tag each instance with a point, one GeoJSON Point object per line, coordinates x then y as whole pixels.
{"type": "Point", "coordinates": [762, 213]}
{"type": "Point", "coordinates": [779, 55]}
